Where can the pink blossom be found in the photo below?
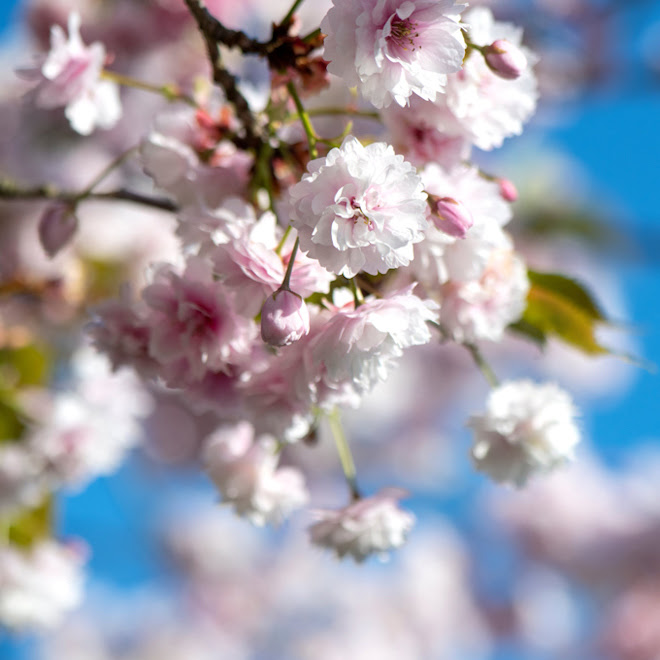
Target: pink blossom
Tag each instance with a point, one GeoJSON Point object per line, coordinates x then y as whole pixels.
{"type": "Point", "coordinates": [371, 525]}
{"type": "Point", "coordinates": [39, 586]}
{"type": "Point", "coordinates": [120, 329]}
{"type": "Point", "coordinates": [359, 346]}
{"type": "Point", "coordinates": [57, 227]}
{"type": "Point", "coordinates": [485, 108]}
{"type": "Point", "coordinates": [250, 269]}
{"type": "Point", "coordinates": [526, 429]}
{"type": "Point", "coordinates": [441, 257]}
{"type": "Point", "coordinates": [392, 49]}
{"type": "Point", "coordinates": [284, 318]}
{"type": "Point", "coordinates": [421, 133]}
{"type": "Point", "coordinates": [71, 77]}
{"type": "Point", "coordinates": [194, 324]}
{"type": "Point", "coordinates": [478, 309]}
{"type": "Point", "coordinates": [86, 433]}
{"type": "Point", "coordinates": [450, 216]}
{"type": "Point", "coordinates": [246, 474]}
{"type": "Point", "coordinates": [505, 59]}
{"type": "Point", "coordinates": [186, 155]}
{"type": "Point", "coordinates": [279, 393]}
{"type": "Point", "coordinates": [359, 208]}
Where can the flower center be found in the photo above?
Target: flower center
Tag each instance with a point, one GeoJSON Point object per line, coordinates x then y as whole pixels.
{"type": "Point", "coordinates": [359, 214]}
{"type": "Point", "coordinates": [403, 33]}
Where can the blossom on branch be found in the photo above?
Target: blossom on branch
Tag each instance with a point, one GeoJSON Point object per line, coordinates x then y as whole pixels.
{"type": "Point", "coordinates": [245, 471]}
{"type": "Point", "coordinates": [359, 209]}
{"type": "Point", "coordinates": [392, 49]}
{"type": "Point", "coordinates": [526, 429]}
{"type": "Point", "coordinates": [373, 525]}
{"type": "Point", "coordinates": [71, 76]}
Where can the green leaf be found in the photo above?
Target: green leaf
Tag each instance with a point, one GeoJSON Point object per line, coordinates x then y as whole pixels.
{"type": "Point", "coordinates": [25, 366]}
{"type": "Point", "coordinates": [12, 425]}
{"type": "Point", "coordinates": [33, 525]}
{"type": "Point", "coordinates": [561, 307]}
{"type": "Point", "coordinates": [569, 289]}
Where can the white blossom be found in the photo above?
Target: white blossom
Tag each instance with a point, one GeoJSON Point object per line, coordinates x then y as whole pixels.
{"type": "Point", "coordinates": [527, 429]}
{"type": "Point", "coordinates": [39, 586]}
{"type": "Point", "coordinates": [244, 470]}
{"type": "Point", "coordinates": [373, 525]}
{"type": "Point", "coordinates": [392, 49]}
{"type": "Point", "coordinates": [71, 77]}
{"type": "Point", "coordinates": [359, 208]}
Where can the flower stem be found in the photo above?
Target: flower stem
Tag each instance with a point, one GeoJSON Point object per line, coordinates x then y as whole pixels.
{"type": "Point", "coordinates": [280, 245]}
{"type": "Point", "coordinates": [289, 14]}
{"type": "Point", "coordinates": [170, 92]}
{"type": "Point", "coordinates": [304, 118]}
{"type": "Point", "coordinates": [107, 170]}
{"type": "Point", "coordinates": [484, 367]}
{"type": "Point", "coordinates": [289, 268]}
{"type": "Point", "coordinates": [357, 293]}
{"type": "Point", "coordinates": [344, 451]}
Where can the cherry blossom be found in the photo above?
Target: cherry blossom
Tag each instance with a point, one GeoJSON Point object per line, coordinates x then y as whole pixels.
{"type": "Point", "coordinates": [371, 337]}
{"type": "Point", "coordinates": [71, 76]}
{"type": "Point", "coordinates": [373, 525]}
{"type": "Point", "coordinates": [39, 586]}
{"type": "Point", "coordinates": [393, 49]}
{"type": "Point", "coordinates": [245, 471]}
{"type": "Point", "coordinates": [359, 208]}
{"type": "Point", "coordinates": [527, 429]}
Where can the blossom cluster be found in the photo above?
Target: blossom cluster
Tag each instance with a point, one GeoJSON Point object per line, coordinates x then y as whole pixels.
{"type": "Point", "coordinates": [305, 265]}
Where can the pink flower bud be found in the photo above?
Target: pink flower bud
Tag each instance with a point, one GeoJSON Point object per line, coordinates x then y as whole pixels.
{"type": "Point", "coordinates": [508, 191]}
{"type": "Point", "coordinates": [450, 216]}
{"type": "Point", "coordinates": [57, 226]}
{"type": "Point", "coordinates": [505, 59]}
{"type": "Point", "coordinates": [284, 318]}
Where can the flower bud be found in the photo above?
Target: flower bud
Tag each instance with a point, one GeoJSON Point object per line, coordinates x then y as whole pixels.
{"type": "Point", "coordinates": [450, 216]}
{"type": "Point", "coordinates": [508, 190]}
{"type": "Point", "coordinates": [57, 226]}
{"type": "Point", "coordinates": [284, 318]}
{"type": "Point", "coordinates": [505, 59]}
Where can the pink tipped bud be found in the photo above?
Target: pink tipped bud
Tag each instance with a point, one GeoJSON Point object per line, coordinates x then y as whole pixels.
{"type": "Point", "coordinates": [507, 190]}
{"type": "Point", "coordinates": [284, 318]}
{"type": "Point", "coordinates": [450, 216]}
{"type": "Point", "coordinates": [505, 59]}
{"type": "Point", "coordinates": [57, 226]}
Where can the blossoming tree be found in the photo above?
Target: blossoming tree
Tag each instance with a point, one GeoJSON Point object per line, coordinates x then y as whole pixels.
{"type": "Point", "coordinates": [316, 213]}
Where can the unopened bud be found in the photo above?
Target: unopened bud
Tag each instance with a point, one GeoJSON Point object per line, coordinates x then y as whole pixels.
{"type": "Point", "coordinates": [57, 226]}
{"type": "Point", "coordinates": [284, 318]}
{"type": "Point", "coordinates": [450, 216]}
{"type": "Point", "coordinates": [507, 190]}
{"type": "Point", "coordinates": [505, 59]}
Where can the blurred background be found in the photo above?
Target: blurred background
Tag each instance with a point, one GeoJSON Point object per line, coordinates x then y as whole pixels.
{"type": "Point", "coordinates": [567, 568]}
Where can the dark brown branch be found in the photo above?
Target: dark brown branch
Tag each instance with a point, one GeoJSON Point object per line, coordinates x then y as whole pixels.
{"type": "Point", "coordinates": [214, 32]}
{"type": "Point", "coordinates": [213, 29]}
{"type": "Point", "coordinates": [10, 190]}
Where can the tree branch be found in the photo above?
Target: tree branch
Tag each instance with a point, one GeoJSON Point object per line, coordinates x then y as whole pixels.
{"type": "Point", "coordinates": [10, 190]}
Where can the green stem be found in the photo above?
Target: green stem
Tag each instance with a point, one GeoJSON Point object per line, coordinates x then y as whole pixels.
{"type": "Point", "coordinates": [106, 171]}
{"type": "Point", "coordinates": [312, 35]}
{"type": "Point", "coordinates": [319, 112]}
{"type": "Point", "coordinates": [170, 92]}
{"type": "Point", "coordinates": [357, 293]}
{"type": "Point", "coordinates": [289, 14]}
{"type": "Point", "coordinates": [280, 245]}
{"type": "Point", "coordinates": [484, 367]}
{"type": "Point", "coordinates": [304, 118]}
{"type": "Point", "coordinates": [289, 268]}
{"type": "Point", "coordinates": [344, 451]}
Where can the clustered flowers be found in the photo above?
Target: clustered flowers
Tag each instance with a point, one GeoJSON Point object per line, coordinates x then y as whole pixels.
{"type": "Point", "coordinates": [307, 266]}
